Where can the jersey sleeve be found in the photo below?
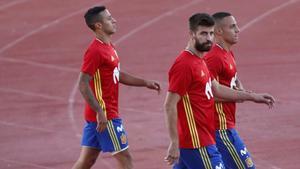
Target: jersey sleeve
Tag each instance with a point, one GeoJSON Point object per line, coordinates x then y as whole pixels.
{"type": "Point", "coordinates": [180, 78]}
{"type": "Point", "coordinates": [91, 62]}
{"type": "Point", "coordinates": [214, 65]}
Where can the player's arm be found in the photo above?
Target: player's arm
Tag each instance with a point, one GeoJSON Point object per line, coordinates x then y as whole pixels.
{"type": "Point", "coordinates": [223, 92]}
{"type": "Point", "coordinates": [87, 93]}
{"type": "Point", "coordinates": [171, 120]}
{"type": "Point", "coordinates": [239, 86]}
{"type": "Point", "coordinates": [131, 80]}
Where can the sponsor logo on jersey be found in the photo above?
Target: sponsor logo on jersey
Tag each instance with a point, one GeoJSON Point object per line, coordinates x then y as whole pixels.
{"type": "Point", "coordinates": [120, 128]}
{"type": "Point", "coordinates": [220, 166]}
{"type": "Point", "coordinates": [116, 74]}
{"type": "Point", "coordinates": [244, 151]}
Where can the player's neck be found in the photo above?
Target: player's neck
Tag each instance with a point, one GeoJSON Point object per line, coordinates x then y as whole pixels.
{"type": "Point", "coordinates": [224, 45]}
{"type": "Point", "coordinates": [104, 38]}
{"type": "Point", "coordinates": [194, 51]}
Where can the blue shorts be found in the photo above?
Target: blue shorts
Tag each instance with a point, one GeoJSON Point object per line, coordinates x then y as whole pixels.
{"type": "Point", "coordinates": [234, 152]}
{"type": "Point", "coordinates": [202, 158]}
{"type": "Point", "coordinates": [112, 139]}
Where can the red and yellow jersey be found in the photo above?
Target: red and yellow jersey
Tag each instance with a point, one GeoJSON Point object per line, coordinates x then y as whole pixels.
{"type": "Point", "coordinates": [221, 65]}
{"type": "Point", "coordinates": [190, 78]}
{"type": "Point", "coordinates": [102, 63]}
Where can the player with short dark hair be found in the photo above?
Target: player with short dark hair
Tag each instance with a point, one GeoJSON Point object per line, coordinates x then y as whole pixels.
{"type": "Point", "coordinates": [99, 85]}
{"type": "Point", "coordinates": [220, 61]}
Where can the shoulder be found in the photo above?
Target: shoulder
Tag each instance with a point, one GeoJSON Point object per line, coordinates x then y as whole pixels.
{"type": "Point", "coordinates": [182, 63]}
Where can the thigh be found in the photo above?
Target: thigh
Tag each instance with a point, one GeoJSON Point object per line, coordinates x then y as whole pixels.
{"type": "Point", "coordinates": [234, 153]}
{"type": "Point", "coordinates": [88, 154]}
{"type": "Point", "coordinates": [202, 158]}
{"type": "Point", "coordinates": [114, 138]}
{"type": "Point", "coordinates": [243, 152]}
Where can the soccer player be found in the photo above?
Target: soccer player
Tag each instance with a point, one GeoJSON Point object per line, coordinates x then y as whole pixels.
{"type": "Point", "coordinates": [189, 103]}
{"type": "Point", "coordinates": [99, 85]}
{"type": "Point", "coordinates": [221, 63]}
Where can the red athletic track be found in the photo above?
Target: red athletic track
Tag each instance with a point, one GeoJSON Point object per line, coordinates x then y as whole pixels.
{"type": "Point", "coordinates": [41, 48]}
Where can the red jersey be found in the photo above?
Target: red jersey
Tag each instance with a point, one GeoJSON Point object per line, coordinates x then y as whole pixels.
{"type": "Point", "coordinates": [102, 63]}
{"type": "Point", "coordinates": [190, 78]}
{"type": "Point", "coordinates": [222, 66]}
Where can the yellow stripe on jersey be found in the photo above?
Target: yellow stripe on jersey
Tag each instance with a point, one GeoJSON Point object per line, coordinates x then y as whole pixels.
{"type": "Point", "coordinates": [205, 158]}
{"type": "Point", "coordinates": [191, 121]}
{"type": "Point", "coordinates": [98, 91]}
{"type": "Point", "coordinates": [231, 149]}
{"type": "Point", "coordinates": [113, 136]}
{"type": "Point", "coordinates": [221, 115]}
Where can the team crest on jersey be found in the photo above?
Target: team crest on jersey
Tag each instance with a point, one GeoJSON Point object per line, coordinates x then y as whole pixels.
{"type": "Point", "coordinates": [112, 58]}
{"type": "Point", "coordinates": [249, 162]}
{"type": "Point", "coordinates": [202, 73]}
{"type": "Point", "coordinates": [123, 138]}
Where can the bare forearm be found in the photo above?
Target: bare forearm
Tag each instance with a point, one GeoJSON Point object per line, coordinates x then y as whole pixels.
{"type": "Point", "coordinates": [87, 92]}
{"type": "Point", "coordinates": [171, 113]}
{"type": "Point", "coordinates": [170, 107]}
{"type": "Point", "coordinates": [130, 80]}
{"type": "Point", "coordinates": [90, 99]}
{"type": "Point", "coordinates": [225, 93]}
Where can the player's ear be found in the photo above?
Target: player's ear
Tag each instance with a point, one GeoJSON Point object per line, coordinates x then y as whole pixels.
{"type": "Point", "coordinates": [98, 25]}
{"type": "Point", "coordinates": [218, 30]}
{"type": "Point", "coordinates": [192, 34]}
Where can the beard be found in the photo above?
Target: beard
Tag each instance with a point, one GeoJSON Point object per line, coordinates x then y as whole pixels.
{"type": "Point", "coordinates": [203, 47]}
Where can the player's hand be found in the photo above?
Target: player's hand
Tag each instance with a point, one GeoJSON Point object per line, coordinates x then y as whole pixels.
{"type": "Point", "coordinates": [101, 122]}
{"type": "Point", "coordinates": [264, 98]}
{"type": "Point", "coordinates": [172, 154]}
{"type": "Point", "coordinates": [153, 85]}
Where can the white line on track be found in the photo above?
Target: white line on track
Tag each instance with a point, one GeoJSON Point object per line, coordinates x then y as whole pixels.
{"type": "Point", "coordinates": [267, 13]}
{"type": "Point", "coordinates": [31, 165]}
{"type": "Point", "coordinates": [26, 127]}
{"type": "Point", "coordinates": [41, 28]}
{"type": "Point", "coordinates": [10, 4]}
{"type": "Point", "coordinates": [44, 96]}
{"type": "Point", "coordinates": [38, 64]}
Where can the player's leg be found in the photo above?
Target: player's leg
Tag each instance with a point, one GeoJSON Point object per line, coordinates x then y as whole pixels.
{"type": "Point", "coordinates": [242, 150]}
{"type": "Point", "coordinates": [114, 140]}
{"type": "Point", "coordinates": [230, 145]}
{"type": "Point", "coordinates": [124, 159]}
{"type": "Point", "coordinates": [90, 147]}
{"type": "Point", "coordinates": [87, 158]}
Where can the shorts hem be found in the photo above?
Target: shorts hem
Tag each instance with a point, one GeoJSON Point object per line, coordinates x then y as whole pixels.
{"type": "Point", "coordinates": [116, 152]}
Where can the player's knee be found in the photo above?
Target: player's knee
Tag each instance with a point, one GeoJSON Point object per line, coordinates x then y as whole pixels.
{"type": "Point", "coordinates": [125, 160]}
{"type": "Point", "coordinates": [86, 162]}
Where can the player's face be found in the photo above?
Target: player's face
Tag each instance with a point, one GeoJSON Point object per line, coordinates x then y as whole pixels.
{"type": "Point", "coordinates": [230, 30]}
{"type": "Point", "coordinates": [203, 38]}
{"type": "Point", "coordinates": [108, 23]}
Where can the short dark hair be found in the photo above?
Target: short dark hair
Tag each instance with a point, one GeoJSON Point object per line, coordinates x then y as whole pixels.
{"type": "Point", "coordinates": [218, 16]}
{"type": "Point", "coordinates": [200, 19]}
{"type": "Point", "coordinates": [92, 16]}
